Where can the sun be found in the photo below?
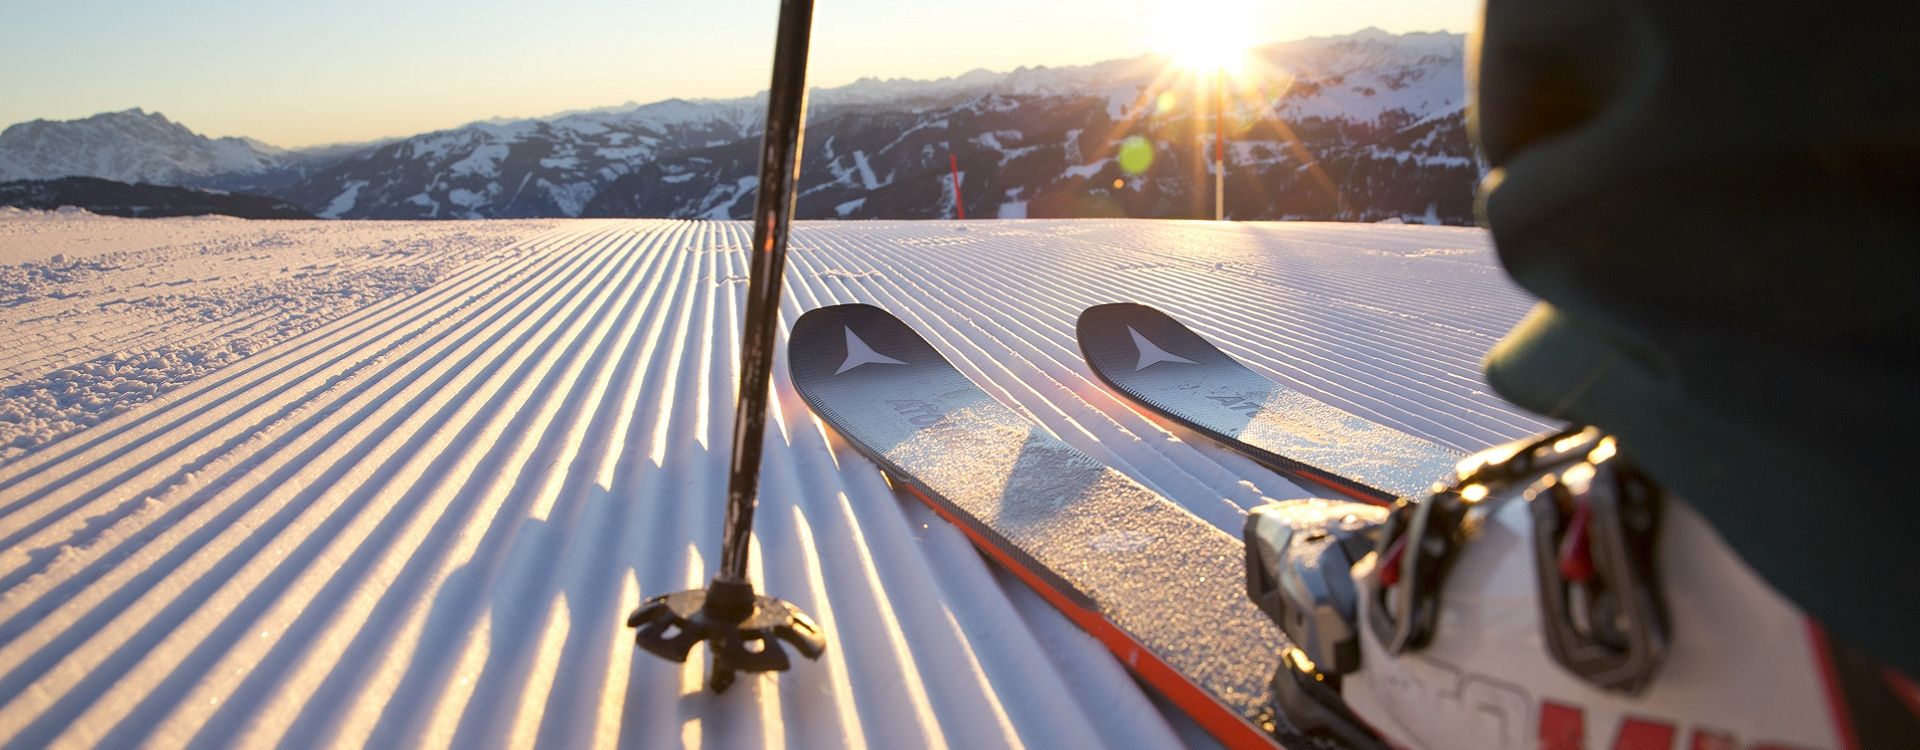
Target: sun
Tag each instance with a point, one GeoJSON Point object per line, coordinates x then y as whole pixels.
{"type": "Point", "coordinates": [1205, 35]}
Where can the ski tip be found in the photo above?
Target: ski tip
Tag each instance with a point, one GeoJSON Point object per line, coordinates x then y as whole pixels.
{"type": "Point", "coordinates": [855, 346]}
{"type": "Point", "coordinates": [829, 319]}
{"type": "Point", "coordinates": [1115, 311]}
{"type": "Point", "coordinates": [1113, 320]}
{"type": "Point", "coordinates": [1120, 338]}
{"type": "Point", "coordinates": [848, 309]}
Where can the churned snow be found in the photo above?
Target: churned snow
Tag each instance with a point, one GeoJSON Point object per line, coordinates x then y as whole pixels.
{"type": "Point", "coordinates": [91, 332]}
{"type": "Point", "coordinates": [451, 457]}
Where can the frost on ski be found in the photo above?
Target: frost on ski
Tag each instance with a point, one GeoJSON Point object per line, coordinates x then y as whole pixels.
{"type": "Point", "coordinates": [420, 521]}
{"type": "Point", "coordinates": [1310, 432]}
{"type": "Point", "coordinates": [1165, 577]}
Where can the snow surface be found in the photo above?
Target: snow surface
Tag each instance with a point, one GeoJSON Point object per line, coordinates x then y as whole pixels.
{"type": "Point", "coordinates": [92, 332]}
{"type": "Point", "coordinates": [421, 523]}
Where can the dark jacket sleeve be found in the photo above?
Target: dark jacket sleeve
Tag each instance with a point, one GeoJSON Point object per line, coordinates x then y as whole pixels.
{"type": "Point", "coordinates": [1719, 205]}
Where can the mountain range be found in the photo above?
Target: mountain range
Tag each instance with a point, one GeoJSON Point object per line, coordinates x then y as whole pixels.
{"type": "Point", "coordinates": [141, 200]}
{"type": "Point", "coordinates": [1363, 126]}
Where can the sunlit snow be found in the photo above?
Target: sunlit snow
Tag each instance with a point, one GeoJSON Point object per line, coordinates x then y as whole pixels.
{"type": "Point", "coordinates": [397, 484]}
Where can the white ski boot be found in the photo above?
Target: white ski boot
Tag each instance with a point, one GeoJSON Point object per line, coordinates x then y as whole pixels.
{"type": "Point", "coordinates": [1550, 597]}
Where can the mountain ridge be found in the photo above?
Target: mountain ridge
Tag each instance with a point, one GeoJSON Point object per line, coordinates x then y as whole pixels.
{"type": "Point", "coordinates": [1379, 116]}
{"type": "Point", "coordinates": [130, 145]}
{"type": "Point", "coordinates": [110, 198]}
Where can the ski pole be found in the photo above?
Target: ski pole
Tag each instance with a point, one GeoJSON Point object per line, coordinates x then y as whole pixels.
{"type": "Point", "coordinates": [729, 613]}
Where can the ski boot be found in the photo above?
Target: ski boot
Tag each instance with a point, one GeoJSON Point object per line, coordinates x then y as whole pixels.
{"type": "Point", "coordinates": [1549, 596]}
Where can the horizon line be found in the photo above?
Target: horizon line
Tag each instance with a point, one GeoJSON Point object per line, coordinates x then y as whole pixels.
{"type": "Point", "coordinates": [633, 104]}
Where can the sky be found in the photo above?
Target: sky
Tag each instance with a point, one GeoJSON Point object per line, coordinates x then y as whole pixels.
{"type": "Point", "coordinates": [306, 73]}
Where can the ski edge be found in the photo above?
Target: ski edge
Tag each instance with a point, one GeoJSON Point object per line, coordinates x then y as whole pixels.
{"type": "Point", "coordinates": [1225, 723]}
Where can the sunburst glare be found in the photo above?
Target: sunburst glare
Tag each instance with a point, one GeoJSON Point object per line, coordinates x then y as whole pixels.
{"type": "Point", "coordinates": [1206, 35]}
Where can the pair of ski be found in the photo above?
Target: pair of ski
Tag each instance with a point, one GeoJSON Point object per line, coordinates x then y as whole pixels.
{"type": "Point", "coordinates": [1161, 588]}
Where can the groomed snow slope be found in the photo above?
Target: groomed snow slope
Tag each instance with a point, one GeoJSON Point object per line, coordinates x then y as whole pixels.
{"type": "Point", "coordinates": [103, 314]}
{"type": "Point", "coordinates": [423, 522]}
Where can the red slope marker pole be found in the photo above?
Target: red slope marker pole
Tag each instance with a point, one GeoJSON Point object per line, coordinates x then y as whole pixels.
{"type": "Point", "coordinates": [958, 207]}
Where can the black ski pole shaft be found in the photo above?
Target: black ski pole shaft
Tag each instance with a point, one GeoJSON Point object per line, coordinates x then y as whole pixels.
{"type": "Point", "coordinates": [743, 629]}
{"type": "Point", "coordinates": [772, 213]}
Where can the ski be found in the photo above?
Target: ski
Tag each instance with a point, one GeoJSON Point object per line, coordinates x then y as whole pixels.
{"type": "Point", "coordinates": [1164, 366]}
{"type": "Point", "coordinates": [1161, 588]}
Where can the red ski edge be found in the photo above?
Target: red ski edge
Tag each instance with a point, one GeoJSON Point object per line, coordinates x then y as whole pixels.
{"type": "Point", "coordinates": [1345, 488]}
{"type": "Point", "coordinates": [1221, 721]}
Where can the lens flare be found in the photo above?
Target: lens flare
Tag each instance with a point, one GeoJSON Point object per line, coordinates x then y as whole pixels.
{"type": "Point", "coordinates": [1136, 155]}
{"type": "Point", "coordinates": [1205, 35]}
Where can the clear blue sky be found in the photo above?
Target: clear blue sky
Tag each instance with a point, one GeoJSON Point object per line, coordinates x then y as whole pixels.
{"type": "Point", "coordinates": [304, 73]}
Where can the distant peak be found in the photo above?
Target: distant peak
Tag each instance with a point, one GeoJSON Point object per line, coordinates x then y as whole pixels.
{"type": "Point", "coordinates": [133, 113]}
{"type": "Point", "coordinates": [1377, 35]}
{"type": "Point", "coordinates": [256, 144]}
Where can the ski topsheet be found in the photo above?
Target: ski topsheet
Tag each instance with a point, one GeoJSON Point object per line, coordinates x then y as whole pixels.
{"type": "Point", "coordinates": [1163, 365]}
{"type": "Point", "coordinates": [1161, 588]}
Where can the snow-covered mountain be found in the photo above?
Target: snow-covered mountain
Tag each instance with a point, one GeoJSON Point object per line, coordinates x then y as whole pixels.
{"type": "Point", "coordinates": [129, 146]}
{"type": "Point", "coordinates": [1358, 76]}
{"type": "Point", "coordinates": [543, 167]}
{"type": "Point", "coordinates": [1361, 126]}
{"type": "Point", "coordinates": [109, 198]}
{"type": "Point", "coordinates": [1379, 116]}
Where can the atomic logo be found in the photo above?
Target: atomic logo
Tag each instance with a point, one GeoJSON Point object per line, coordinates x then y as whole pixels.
{"type": "Point", "coordinates": [1151, 354]}
{"type": "Point", "coordinates": [858, 353]}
